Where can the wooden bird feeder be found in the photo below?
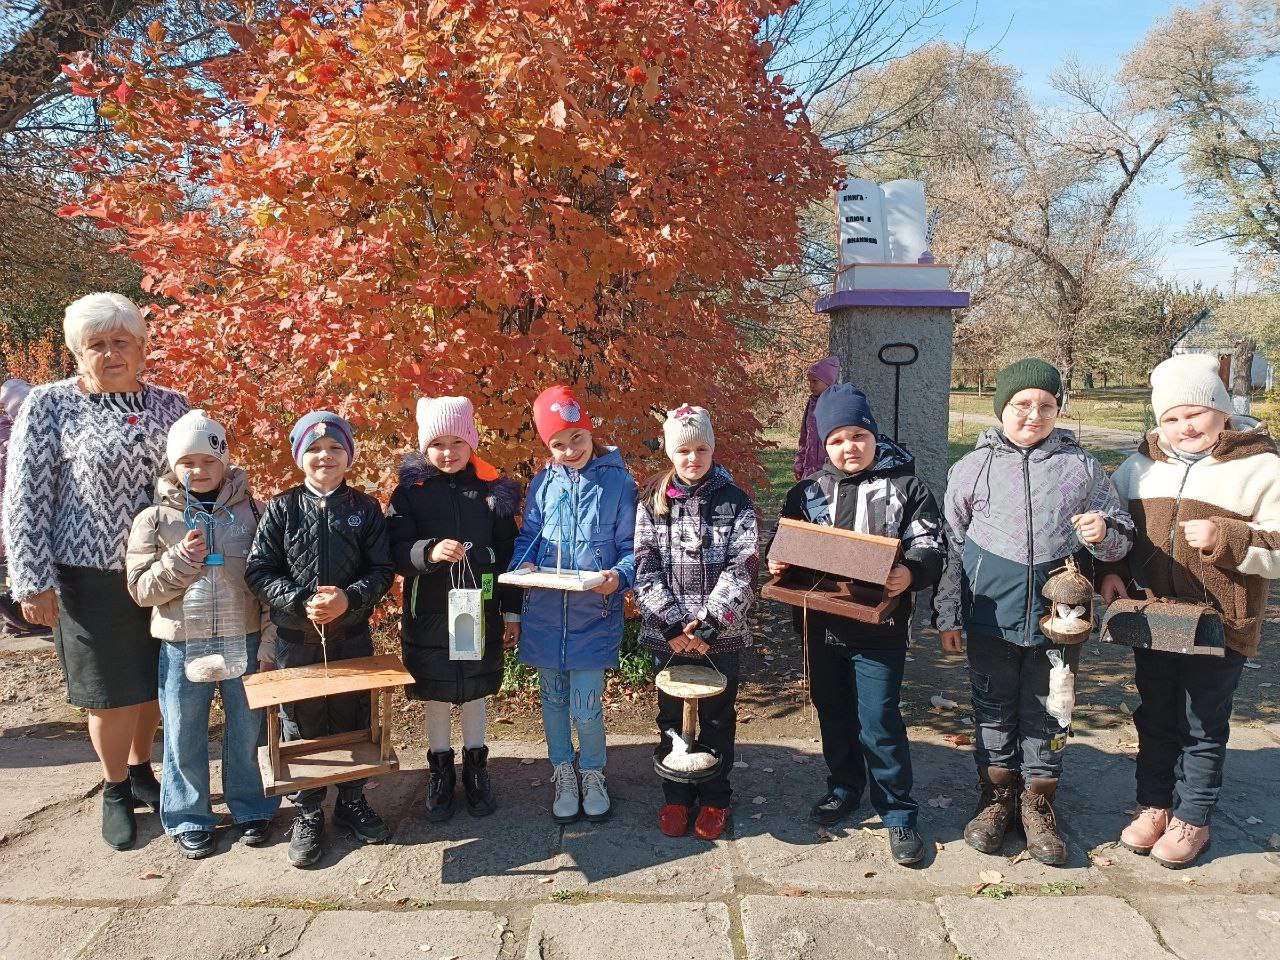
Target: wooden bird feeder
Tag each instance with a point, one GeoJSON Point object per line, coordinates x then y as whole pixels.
{"type": "Point", "coordinates": [299, 764]}
{"type": "Point", "coordinates": [832, 570]}
{"type": "Point", "coordinates": [690, 683]}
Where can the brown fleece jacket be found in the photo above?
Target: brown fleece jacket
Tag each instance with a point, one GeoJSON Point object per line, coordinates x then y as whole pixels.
{"type": "Point", "coordinates": [1238, 487]}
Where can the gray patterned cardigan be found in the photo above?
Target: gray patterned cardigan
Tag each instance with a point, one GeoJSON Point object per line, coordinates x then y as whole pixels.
{"type": "Point", "coordinates": [700, 561]}
{"type": "Point", "coordinates": [79, 470]}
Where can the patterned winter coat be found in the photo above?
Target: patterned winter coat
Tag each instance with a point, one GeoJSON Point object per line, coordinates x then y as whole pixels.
{"type": "Point", "coordinates": [1008, 513]}
{"type": "Point", "coordinates": [887, 500]}
{"type": "Point", "coordinates": [81, 466]}
{"type": "Point", "coordinates": [700, 561]}
{"type": "Point", "coordinates": [1237, 487]}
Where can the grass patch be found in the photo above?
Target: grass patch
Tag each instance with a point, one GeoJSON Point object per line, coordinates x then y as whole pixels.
{"type": "Point", "coordinates": [1060, 888]}
{"type": "Point", "coordinates": [569, 896]}
{"type": "Point", "coordinates": [997, 891]}
{"type": "Point", "coordinates": [634, 669]}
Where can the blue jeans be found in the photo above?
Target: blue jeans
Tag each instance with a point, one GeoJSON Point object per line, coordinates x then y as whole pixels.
{"type": "Point", "coordinates": [184, 784]}
{"type": "Point", "coordinates": [573, 695]}
{"type": "Point", "coordinates": [864, 739]}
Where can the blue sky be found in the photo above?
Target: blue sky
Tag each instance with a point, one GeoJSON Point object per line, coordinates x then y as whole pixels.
{"type": "Point", "coordinates": [1035, 36]}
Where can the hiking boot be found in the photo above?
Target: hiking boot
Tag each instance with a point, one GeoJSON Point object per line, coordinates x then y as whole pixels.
{"type": "Point", "coordinates": [304, 842]}
{"type": "Point", "coordinates": [144, 785]}
{"type": "Point", "coordinates": [475, 782]}
{"type": "Point", "coordinates": [1039, 825]}
{"type": "Point", "coordinates": [711, 823]}
{"type": "Point", "coordinates": [568, 798]}
{"type": "Point", "coordinates": [441, 785]}
{"type": "Point", "coordinates": [998, 794]}
{"type": "Point", "coordinates": [119, 828]}
{"type": "Point", "coordinates": [361, 819]}
{"type": "Point", "coordinates": [595, 798]}
{"type": "Point", "coordinates": [195, 844]}
{"type": "Point", "coordinates": [1147, 827]}
{"type": "Point", "coordinates": [1181, 844]}
{"type": "Point", "coordinates": [832, 808]}
{"type": "Point", "coordinates": [905, 845]}
{"type": "Point", "coordinates": [673, 819]}
{"type": "Point", "coordinates": [254, 833]}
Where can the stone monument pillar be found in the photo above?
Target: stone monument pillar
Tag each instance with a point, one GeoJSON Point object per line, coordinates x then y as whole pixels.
{"type": "Point", "coordinates": [891, 318]}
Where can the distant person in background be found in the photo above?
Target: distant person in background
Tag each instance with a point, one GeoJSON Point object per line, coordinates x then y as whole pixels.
{"type": "Point", "coordinates": [811, 454]}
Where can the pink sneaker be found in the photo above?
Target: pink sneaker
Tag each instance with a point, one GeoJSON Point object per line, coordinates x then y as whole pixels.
{"type": "Point", "coordinates": [1147, 827]}
{"type": "Point", "coordinates": [1181, 844]}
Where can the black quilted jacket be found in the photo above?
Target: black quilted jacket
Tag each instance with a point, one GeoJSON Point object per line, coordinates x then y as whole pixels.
{"type": "Point", "coordinates": [306, 541]}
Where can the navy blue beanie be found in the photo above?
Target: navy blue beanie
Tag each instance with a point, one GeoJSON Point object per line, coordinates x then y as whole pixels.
{"type": "Point", "coordinates": [843, 405]}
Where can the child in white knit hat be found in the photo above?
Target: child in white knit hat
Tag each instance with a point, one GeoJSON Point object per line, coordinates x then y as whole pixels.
{"type": "Point", "coordinates": [1204, 491]}
{"type": "Point", "coordinates": [168, 546]}
{"type": "Point", "coordinates": [452, 524]}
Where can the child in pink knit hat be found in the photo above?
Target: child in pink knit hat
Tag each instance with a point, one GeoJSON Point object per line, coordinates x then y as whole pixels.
{"type": "Point", "coordinates": [810, 452]}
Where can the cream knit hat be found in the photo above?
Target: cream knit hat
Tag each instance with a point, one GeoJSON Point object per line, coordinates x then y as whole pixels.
{"type": "Point", "coordinates": [196, 432]}
{"type": "Point", "coordinates": [1188, 379]}
{"type": "Point", "coordinates": [454, 416]}
{"type": "Point", "coordinates": [687, 424]}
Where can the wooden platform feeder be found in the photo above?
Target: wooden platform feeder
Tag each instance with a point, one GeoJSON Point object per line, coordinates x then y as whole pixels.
{"type": "Point", "coordinates": [690, 683]}
{"type": "Point", "coordinates": [299, 764]}
{"type": "Point", "coordinates": [832, 570]}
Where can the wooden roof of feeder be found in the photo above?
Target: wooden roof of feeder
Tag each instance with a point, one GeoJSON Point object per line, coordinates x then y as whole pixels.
{"type": "Point", "coordinates": [841, 553]}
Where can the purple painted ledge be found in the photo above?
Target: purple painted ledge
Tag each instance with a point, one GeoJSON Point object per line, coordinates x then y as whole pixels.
{"type": "Point", "coordinates": [951, 299]}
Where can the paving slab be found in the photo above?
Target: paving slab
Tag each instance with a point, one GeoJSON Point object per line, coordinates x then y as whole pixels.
{"type": "Point", "coordinates": [428, 934]}
{"type": "Point", "coordinates": [812, 928]}
{"type": "Point", "coordinates": [1048, 928]}
{"type": "Point", "coordinates": [36, 774]}
{"type": "Point", "coordinates": [48, 933]}
{"type": "Point", "coordinates": [209, 933]}
{"type": "Point", "coordinates": [656, 931]}
{"type": "Point", "coordinates": [1218, 928]}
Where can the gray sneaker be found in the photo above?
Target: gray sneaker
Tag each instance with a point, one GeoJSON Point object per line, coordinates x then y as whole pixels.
{"type": "Point", "coordinates": [595, 798]}
{"type": "Point", "coordinates": [568, 800]}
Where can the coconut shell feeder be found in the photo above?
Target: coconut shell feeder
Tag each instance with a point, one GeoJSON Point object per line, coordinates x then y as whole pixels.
{"type": "Point", "coordinates": [692, 762]}
{"type": "Point", "coordinates": [1070, 595]}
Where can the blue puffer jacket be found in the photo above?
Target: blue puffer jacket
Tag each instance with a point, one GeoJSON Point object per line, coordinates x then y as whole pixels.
{"type": "Point", "coordinates": [562, 630]}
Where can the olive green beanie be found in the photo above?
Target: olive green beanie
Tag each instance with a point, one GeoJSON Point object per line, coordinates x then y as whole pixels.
{"type": "Point", "coordinates": [1030, 373]}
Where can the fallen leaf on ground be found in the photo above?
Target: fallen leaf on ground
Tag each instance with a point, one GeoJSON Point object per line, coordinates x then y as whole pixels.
{"type": "Point", "coordinates": [424, 947]}
{"type": "Point", "coordinates": [1274, 841]}
{"type": "Point", "coordinates": [940, 802]}
{"type": "Point", "coordinates": [825, 835]}
{"type": "Point", "coordinates": [959, 739]}
{"type": "Point", "coordinates": [1103, 862]}
{"type": "Point", "coordinates": [746, 718]}
{"type": "Point", "coordinates": [977, 888]}
{"type": "Point", "coordinates": [939, 845]}
{"type": "Point", "coordinates": [526, 761]}
{"type": "Point", "coordinates": [793, 892]}
{"type": "Point", "coordinates": [740, 764]}
{"type": "Point", "coordinates": [504, 720]}
{"type": "Point", "coordinates": [990, 876]}
{"type": "Point", "coordinates": [546, 879]}
{"type": "Point", "coordinates": [1253, 820]}
{"type": "Point", "coordinates": [151, 875]}
{"type": "Point", "coordinates": [1022, 855]}
{"type": "Point", "coordinates": [768, 769]}
{"type": "Point", "coordinates": [363, 880]}
{"type": "Point", "coordinates": [869, 874]}
{"type": "Point", "coordinates": [940, 701]}
{"type": "Point", "coordinates": [756, 816]}
{"type": "Point", "coordinates": [758, 800]}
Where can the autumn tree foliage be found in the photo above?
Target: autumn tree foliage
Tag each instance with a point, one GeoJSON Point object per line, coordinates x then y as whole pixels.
{"type": "Point", "coordinates": [364, 203]}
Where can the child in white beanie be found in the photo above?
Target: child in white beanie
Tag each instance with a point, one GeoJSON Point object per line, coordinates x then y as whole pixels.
{"type": "Point", "coordinates": [167, 549]}
{"type": "Point", "coordinates": [697, 556]}
{"type": "Point", "coordinates": [452, 523]}
{"type": "Point", "coordinates": [1204, 492]}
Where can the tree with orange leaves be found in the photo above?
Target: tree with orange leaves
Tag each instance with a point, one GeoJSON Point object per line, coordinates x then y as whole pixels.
{"type": "Point", "coordinates": [362, 203]}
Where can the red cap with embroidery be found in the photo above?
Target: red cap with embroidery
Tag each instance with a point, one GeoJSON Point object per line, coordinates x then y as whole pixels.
{"type": "Point", "coordinates": [558, 409]}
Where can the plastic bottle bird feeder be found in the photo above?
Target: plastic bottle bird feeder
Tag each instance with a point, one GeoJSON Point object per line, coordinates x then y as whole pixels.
{"type": "Point", "coordinates": [691, 684]}
{"type": "Point", "coordinates": [299, 764]}
{"type": "Point", "coordinates": [1070, 595]}
{"type": "Point", "coordinates": [832, 570]}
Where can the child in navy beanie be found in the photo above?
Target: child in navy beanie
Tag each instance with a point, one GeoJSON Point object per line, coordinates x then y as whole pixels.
{"type": "Point", "coordinates": [867, 485]}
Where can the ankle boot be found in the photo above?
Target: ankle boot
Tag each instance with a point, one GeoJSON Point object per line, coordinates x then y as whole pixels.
{"type": "Point", "coordinates": [441, 785]}
{"type": "Point", "coordinates": [1039, 824]}
{"type": "Point", "coordinates": [119, 828]}
{"type": "Point", "coordinates": [144, 785]}
{"type": "Point", "coordinates": [475, 782]}
{"type": "Point", "coordinates": [998, 795]}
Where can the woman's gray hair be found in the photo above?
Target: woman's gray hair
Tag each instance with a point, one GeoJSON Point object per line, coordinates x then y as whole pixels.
{"type": "Point", "coordinates": [98, 313]}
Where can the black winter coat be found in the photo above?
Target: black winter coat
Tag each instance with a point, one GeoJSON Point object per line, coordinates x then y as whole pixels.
{"type": "Point", "coordinates": [429, 506]}
{"type": "Point", "coordinates": [306, 541]}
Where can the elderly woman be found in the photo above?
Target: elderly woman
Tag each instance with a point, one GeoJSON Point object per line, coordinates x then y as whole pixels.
{"type": "Point", "coordinates": [83, 461]}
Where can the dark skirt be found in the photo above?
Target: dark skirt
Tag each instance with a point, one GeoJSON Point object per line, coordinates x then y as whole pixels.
{"type": "Point", "coordinates": [104, 641]}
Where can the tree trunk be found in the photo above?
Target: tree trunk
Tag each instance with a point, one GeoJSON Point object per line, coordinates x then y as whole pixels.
{"type": "Point", "coordinates": [1242, 373]}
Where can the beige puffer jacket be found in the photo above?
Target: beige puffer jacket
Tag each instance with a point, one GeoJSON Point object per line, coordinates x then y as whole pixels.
{"type": "Point", "coordinates": [159, 576]}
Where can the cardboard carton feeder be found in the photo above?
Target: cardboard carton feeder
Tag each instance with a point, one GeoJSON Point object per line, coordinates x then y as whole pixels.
{"type": "Point", "coordinates": [298, 764]}
{"type": "Point", "coordinates": [834, 571]}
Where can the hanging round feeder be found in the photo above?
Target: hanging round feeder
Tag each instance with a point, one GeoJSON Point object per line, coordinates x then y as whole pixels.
{"type": "Point", "coordinates": [1070, 595]}
{"type": "Point", "coordinates": [694, 762]}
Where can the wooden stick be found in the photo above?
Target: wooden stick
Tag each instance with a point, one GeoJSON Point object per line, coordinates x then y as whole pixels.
{"type": "Point", "coordinates": [273, 739]}
{"type": "Point", "coordinates": [375, 723]}
{"type": "Point", "coordinates": [690, 722]}
{"type": "Point", "coordinates": [385, 742]}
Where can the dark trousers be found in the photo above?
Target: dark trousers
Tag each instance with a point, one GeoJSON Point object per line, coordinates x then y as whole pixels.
{"type": "Point", "coordinates": [319, 717]}
{"type": "Point", "coordinates": [1183, 724]}
{"type": "Point", "coordinates": [1010, 688]}
{"type": "Point", "coordinates": [717, 728]}
{"type": "Point", "coordinates": [856, 692]}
